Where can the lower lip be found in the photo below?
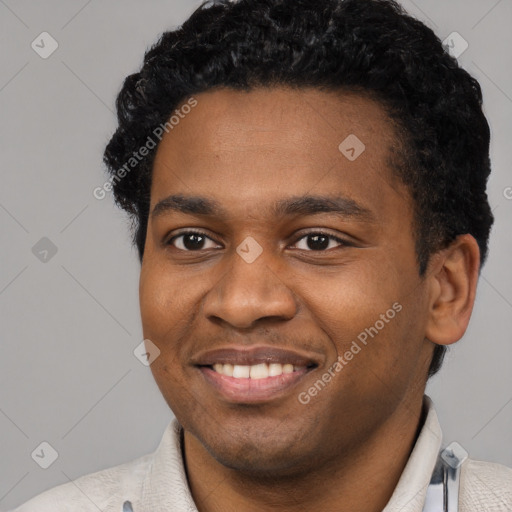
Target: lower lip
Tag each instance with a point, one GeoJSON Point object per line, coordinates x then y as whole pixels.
{"type": "Point", "coordinates": [253, 390]}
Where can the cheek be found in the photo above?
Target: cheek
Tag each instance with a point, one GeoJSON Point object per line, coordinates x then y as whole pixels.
{"type": "Point", "coordinates": [350, 300]}
{"type": "Point", "coordinates": [153, 297]}
{"type": "Point", "coordinates": [163, 304]}
{"type": "Point", "coordinates": [370, 318]}
{"type": "Point", "coordinates": [165, 321]}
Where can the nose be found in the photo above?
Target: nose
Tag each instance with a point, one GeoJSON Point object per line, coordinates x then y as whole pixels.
{"type": "Point", "coordinates": [248, 293]}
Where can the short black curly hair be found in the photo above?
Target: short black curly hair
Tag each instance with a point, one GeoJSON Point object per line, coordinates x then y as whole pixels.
{"type": "Point", "coordinates": [371, 47]}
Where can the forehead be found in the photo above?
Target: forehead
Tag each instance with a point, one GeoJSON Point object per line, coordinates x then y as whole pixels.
{"type": "Point", "coordinates": [311, 116]}
{"type": "Point", "coordinates": [269, 143]}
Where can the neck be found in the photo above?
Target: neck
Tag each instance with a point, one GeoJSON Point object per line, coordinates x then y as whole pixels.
{"type": "Point", "coordinates": [340, 484]}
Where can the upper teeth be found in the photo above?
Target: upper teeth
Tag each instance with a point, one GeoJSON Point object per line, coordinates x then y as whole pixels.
{"type": "Point", "coordinates": [255, 371]}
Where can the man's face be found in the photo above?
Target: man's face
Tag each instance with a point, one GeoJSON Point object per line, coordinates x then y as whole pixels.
{"type": "Point", "coordinates": [271, 287]}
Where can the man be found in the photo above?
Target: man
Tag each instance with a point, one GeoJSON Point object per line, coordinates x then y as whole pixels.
{"type": "Point", "coordinates": [308, 184]}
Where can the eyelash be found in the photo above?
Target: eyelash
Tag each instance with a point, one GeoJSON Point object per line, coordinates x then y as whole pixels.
{"type": "Point", "coordinates": [305, 235]}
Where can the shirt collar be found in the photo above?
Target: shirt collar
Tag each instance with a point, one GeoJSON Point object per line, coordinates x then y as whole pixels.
{"type": "Point", "coordinates": [409, 494]}
{"type": "Point", "coordinates": [165, 486]}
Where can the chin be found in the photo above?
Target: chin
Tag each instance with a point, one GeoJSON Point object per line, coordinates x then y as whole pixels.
{"type": "Point", "coordinates": [263, 464]}
{"type": "Point", "coordinates": [261, 454]}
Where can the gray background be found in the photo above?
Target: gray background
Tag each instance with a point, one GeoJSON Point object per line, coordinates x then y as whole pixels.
{"type": "Point", "coordinates": [69, 325]}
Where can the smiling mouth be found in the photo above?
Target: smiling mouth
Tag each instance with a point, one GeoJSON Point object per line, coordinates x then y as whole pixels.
{"type": "Point", "coordinates": [258, 371]}
{"type": "Point", "coordinates": [254, 375]}
{"type": "Point", "coordinates": [254, 384]}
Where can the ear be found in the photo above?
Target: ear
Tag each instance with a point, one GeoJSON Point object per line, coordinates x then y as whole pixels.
{"type": "Point", "coordinates": [452, 275]}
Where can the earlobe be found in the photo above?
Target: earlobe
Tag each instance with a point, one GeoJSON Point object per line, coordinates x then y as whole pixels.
{"type": "Point", "coordinates": [453, 277]}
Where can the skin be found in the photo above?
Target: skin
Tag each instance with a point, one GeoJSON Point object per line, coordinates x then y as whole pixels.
{"type": "Point", "coordinates": [247, 150]}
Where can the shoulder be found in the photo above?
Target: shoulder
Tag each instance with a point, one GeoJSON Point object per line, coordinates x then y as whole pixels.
{"type": "Point", "coordinates": [104, 490]}
{"type": "Point", "coordinates": [485, 486]}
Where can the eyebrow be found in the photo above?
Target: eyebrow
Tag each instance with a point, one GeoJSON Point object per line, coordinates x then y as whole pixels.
{"type": "Point", "coordinates": [297, 205]}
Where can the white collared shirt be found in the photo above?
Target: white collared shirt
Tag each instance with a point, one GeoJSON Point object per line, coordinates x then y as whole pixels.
{"type": "Point", "coordinates": [157, 482]}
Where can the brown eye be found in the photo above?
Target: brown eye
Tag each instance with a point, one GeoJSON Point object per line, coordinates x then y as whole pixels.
{"type": "Point", "coordinates": [191, 241]}
{"type": "Point", "coordinates": [318, 241]}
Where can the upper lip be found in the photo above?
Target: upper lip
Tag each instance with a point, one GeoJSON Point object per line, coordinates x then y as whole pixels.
{"type": "Point", "coordinates": [255, 355]}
